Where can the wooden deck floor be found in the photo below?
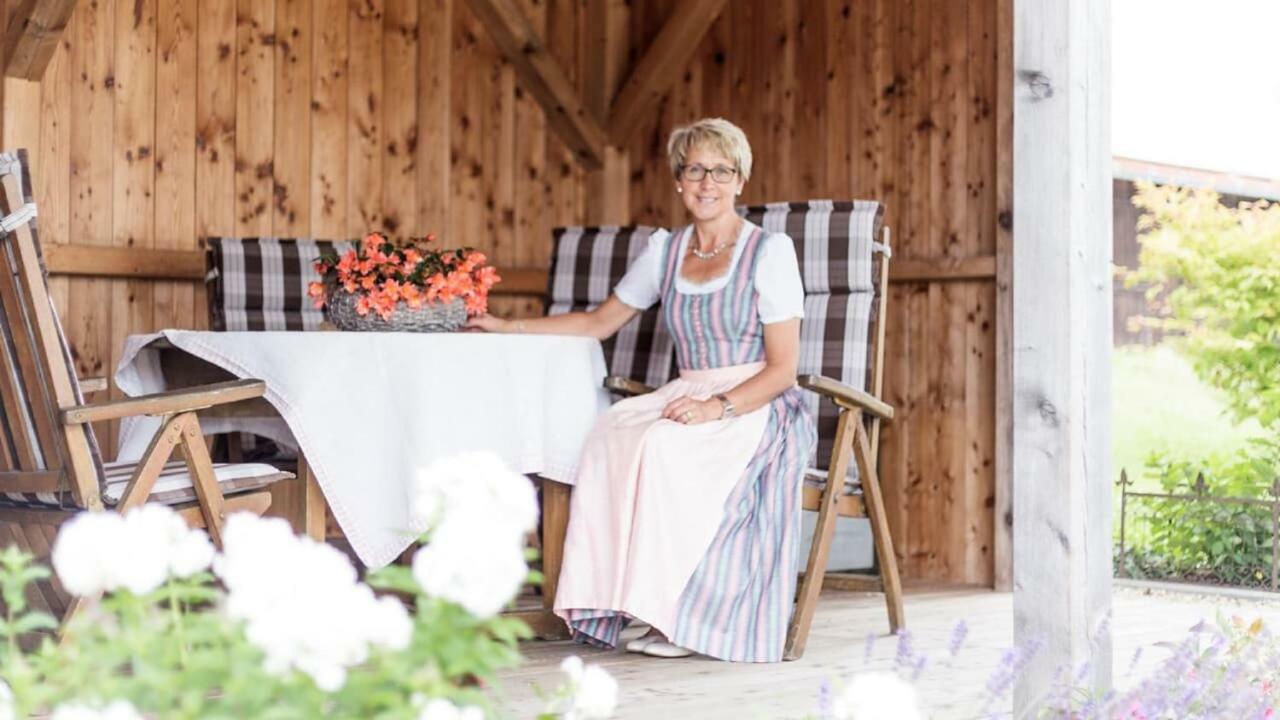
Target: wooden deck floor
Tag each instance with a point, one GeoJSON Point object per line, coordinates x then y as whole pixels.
{"type": "Point", "coordinates": [697, 688]}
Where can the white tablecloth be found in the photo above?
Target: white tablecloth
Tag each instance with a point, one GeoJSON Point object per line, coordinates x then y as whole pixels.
{"type": "Point", "coordinates": [369, 410]}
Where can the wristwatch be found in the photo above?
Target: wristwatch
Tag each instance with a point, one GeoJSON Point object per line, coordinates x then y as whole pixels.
{"type": "Point", "coordinates": [728, 406]}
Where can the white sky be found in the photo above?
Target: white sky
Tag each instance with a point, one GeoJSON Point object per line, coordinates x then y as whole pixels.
{"type": "Point", "coordinates": [1196, 83]}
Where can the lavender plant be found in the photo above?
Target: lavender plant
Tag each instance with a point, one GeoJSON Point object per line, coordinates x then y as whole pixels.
{"type": "Point", "coordinates": [1225, 670]}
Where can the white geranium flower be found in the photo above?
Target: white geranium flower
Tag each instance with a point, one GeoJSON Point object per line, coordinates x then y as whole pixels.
{"type": "Point", "coordinates": [115, 710]}
{"type": "Point", "coordinates": [266, 568]}
{"type": "Point", "coordinates": [479, 511]}
{"type": "Point", "coordinates": [594, 691]}
{"type": "Point", "coordinates": [877, 696]}
{"type": "Point", "coordinates": [467, 564]}
{"type": "Point", "coordinates": [99, 552]}
{"type": "Point", "coordinates": [441, 709]}
{"type": "Point", "coordinates": [85, 551]}
{"type": "Point", "coordinates": [474, 487]}
{"type": "Point", "coordinates": [390, 625]}
{"type": "Point", "coordinates": [6, 702]}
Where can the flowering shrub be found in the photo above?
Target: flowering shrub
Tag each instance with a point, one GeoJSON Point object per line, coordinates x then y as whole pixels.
{"type": "Point", "coordinates": [1213, 273]}
{"type": "Point", "coordinates": [277, 625]}
{"type": "Point", "coordinates": [383, 276]}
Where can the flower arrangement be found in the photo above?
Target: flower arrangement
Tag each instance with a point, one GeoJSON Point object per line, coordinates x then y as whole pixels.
{"type": "Point", "coordinates": [385, 277]}
{"type": "Point", "coordinates": [277, 625]}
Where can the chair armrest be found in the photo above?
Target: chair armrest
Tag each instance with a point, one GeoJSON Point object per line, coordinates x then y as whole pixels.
{"type": "Point", "coordinates": [626, 386]}
{"type": "Point", "coordinates": [846, 396]}
{"type": "Point", "coordinates": [93, 385]}
{"type": "Point", "coordinates": [166, 403]}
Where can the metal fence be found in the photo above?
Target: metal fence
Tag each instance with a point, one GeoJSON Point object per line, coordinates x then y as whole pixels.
{"type": "Point", "coordinates": [1200, 494]}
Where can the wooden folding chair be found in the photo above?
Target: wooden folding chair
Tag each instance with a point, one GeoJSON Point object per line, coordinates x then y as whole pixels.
{"type": "Point", "coordinates": [844, 255]}
{"type": "Point", "coordinates": [50, 464]}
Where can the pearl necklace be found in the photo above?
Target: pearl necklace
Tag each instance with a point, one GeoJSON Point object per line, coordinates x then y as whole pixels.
{"type": "Point", "coordinates": [707, 255]}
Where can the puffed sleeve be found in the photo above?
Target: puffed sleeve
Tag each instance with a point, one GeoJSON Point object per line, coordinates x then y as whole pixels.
{"type": "Point", "coordinates": [778, 280]}
{"type": "Point", "coordinates": [641, 287]}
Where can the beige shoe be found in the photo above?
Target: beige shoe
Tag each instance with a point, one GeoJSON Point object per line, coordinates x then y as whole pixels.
{"type": "Point", "coordinates": [639, 644]}
{"type": "Point", "coordinates": [663, 649]}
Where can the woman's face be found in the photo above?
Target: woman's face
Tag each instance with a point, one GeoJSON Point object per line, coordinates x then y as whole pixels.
{"type": "Point", "coordinates": [706, 197]}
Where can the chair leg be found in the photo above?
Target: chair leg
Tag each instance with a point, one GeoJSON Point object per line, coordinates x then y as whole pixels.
{"type": "Point", "coordinates": [811, 583]}
{"type": "Point", "coordinates": [874, 498]}
{"type": "Point", "coordinates": [203, 478]}
{"type": "Point", "coordinates": [153, 462]}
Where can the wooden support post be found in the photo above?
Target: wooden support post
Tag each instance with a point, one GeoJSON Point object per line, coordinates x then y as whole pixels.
{"type": "Point", "coordinates": [607, 56]}
{"type": "Point", "coordinates": [1061, 259]}
{"type": "Point", "coordinates": [1003, 525]}
{"type": "Point", "coordinates": [663, 63]}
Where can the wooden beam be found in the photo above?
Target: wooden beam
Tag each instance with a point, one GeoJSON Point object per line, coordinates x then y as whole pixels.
{"type": "Point", "coordinates": [34, 29]}
{"type": "Point", "coordinates": [905, 270]}
{"type": "Point", "coordinates": [1062, 343]}
{"type": "Point", "coordinates": [157, 264]}
{"type": "Point", "coordinates": [160, 264]}
{"type": "Point", "coordinates": [661, 65]}
{"type": "Point", "coordinates": [543, 77]}
{"type": "Point", "coordinates": [123, 262]}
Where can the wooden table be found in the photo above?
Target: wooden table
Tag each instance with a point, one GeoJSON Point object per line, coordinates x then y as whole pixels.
{"type": "Point", "coordinates": [301, 502]}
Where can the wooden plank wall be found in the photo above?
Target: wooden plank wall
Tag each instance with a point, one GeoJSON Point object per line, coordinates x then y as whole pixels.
{"type": "Point", "coordinates": [159, 122]}
{"type": "Point", "coordinates": [891, 100]}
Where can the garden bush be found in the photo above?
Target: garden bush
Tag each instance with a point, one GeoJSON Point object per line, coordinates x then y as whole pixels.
{"type": "Point", "coordinates": [1203, 540]}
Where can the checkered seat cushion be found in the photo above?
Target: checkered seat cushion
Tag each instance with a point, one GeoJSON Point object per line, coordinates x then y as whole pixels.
{"type": "Point", "coordinates": [837, 245]}
{"type": "Point", "coordinates": [586, 264]}
{"type": "Point", "coordinates": [173, 486]}
{"type": "Point", "coordinates": [261, 283]}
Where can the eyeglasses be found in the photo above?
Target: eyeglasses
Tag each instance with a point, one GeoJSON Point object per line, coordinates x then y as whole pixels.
{"type": "Point", "coordinates": [720, 173]}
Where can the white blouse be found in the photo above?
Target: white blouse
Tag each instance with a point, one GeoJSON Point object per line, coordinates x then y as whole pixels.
{"type": "Point", "coordinates": [777, 277]}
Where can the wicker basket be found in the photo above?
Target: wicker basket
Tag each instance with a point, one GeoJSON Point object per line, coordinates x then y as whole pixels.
{"type": "Point", "coordinates": [438, 317]}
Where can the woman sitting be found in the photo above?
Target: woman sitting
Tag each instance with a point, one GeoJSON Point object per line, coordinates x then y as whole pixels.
{"type": "Point", "coordinates": [686, 509]}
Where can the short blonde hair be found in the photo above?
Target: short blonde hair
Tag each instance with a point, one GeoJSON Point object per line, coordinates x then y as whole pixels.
{"type": "Point", "coordinates": [715, 134]}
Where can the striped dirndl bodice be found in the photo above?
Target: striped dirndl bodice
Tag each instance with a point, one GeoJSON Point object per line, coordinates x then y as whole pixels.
{"type": "Point", "coordinates": [719, 328]}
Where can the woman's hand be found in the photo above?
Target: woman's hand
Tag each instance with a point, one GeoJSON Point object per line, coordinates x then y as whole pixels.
{"type": "Point", "coordinates": [692, 412]}
{"type": "Point", "coordinates": [488, 323]}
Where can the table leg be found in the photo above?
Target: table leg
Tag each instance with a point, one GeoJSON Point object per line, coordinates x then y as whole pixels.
{"type": "Point", "coordinates": [300, 502]}
{"type": "Point", "coordinates": [555, 522]}
{"type": "Point", "coordinates": [313, 505]}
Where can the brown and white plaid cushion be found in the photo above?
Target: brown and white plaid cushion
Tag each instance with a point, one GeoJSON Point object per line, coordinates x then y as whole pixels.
{"type": "Point", "coordinates": [586, 264]}
{"type": "Point", "coordinates": [837, 245]}
{"type": "Point", "coordinates": [261, 283]}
